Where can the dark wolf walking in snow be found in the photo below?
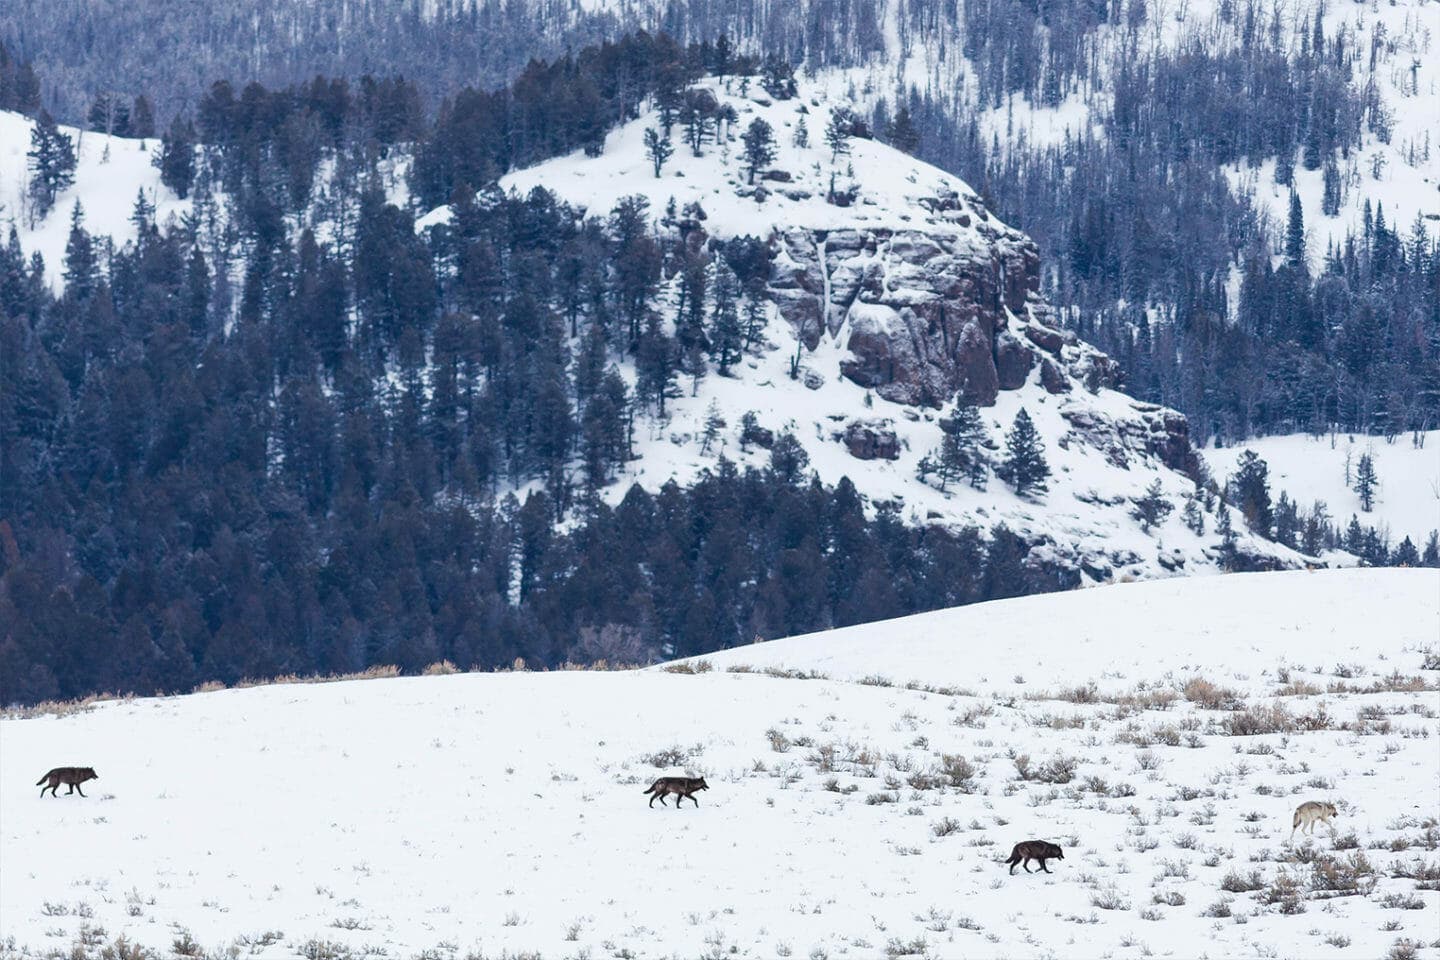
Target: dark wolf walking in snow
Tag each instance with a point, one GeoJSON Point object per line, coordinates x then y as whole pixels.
{"type": "Point", "coordinates": [72, 776]}
{"type": "Point", "coordinates": [1034, 850]}
{"type": "Point", "coordinates": [681, 786]}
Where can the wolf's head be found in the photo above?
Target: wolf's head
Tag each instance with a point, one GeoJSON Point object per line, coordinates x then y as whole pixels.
{"type": "Point", "coordinates": [1329, 809]}
{"type": "Point", "coordinates": [702, 785]}
{"type": "Point", "coordinates": [1055, 851]}
{"type": "Point", "coordinates": [90, 773]}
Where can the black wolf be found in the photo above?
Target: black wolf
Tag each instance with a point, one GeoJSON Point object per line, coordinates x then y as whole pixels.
{"type": "Point", "coordinates": [71, 776]}
{"type": "Point", "coordinates": [1034, 850]}
{"type": "Point", "coordinates": [681, 786]}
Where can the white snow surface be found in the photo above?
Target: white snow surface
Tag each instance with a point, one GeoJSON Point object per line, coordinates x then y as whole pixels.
{"type": "Point", "coordinates": [489, 814]}
{"type": "Point", "coordinates": [1407, 498]}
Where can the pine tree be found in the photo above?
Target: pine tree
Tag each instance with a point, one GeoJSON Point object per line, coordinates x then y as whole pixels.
{"type": "Point", "coordinates": [142, 118]}
{"type": "Point", "coordinates": [110, 115]}
{"type": "Point", "coordinates": [1330, 199]}
{"type": "Point", "coordinates": [801, 136]}
{"type": "Point", "coordinates": [176, 159]}
{"type": "Point", "coordinates": [962, 454]}
{"type": "Point", "coordinates": [1431, 557]}
{"type": "Point", "coordinates": [1315, 529]}
{"type": "Point", "coordinates": [725, 332]}
{"type": "Point", "coordinates": [1405, 555]}
{"type": "Point", "coordinates": [1193, 516]}
{"type": "Point", "coordinates": [1152, 508]}
{"type": "Point", "coordinates": [1024, 466]}
{"type": "Point", "coordinates": [759, 141]}
{"type": "Point", "coordinates": [788, 459]}
{"type": "Point", "coordinates": [1366, 481]}
{"type": "Point", "coordinates": [754, 323]}
{"type": "Point", "coordinates": [655, 365]}
{"type": "Point", "coordinates": [1287, 522]}
{"type": "Point", "coordinates": [658, 148]}
{"type": "Point", "coordinates": [838, 132]}
{"type": "Point", "coordinates": [51, 162]}
{"type": "Point", "coordinates": [901, 133]}
{"type": "Point", "coordinates": [778, 78]}
{"type": "Point", "coordinates": [1224, 527]}
{"type": "Point", "coordinates": [82, 266]}
{"type": "Point", "coordinates": [1251, 489]}
{"type": "Point", "coordinates": [696, 115]}
{"type": "Point", "coordinates": [1295, 232]}
{"type": "Point", "coordinates": [714, 423]}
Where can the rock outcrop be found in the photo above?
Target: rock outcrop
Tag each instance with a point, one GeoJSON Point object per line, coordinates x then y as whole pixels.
{"type": "Point", "coordinates": [930, 313]}
{"type": "Point", "coordinates": [871, 440]}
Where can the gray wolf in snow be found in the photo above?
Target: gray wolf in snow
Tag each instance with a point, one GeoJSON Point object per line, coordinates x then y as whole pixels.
{"type": "Point", "coordinates": [1310, 813]}
{"type": "Point", "coordinates": [70, 776]}
{"type": "Point", "coordinates": [1034, 850]}
{"type": "Point", "coordinates": [682, 787]}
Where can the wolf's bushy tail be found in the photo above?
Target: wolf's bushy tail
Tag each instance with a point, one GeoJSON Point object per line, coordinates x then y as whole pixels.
{"type": "Point", "coordinates": [651, 788]}
{"type": "Point", "coordinates": [42, 779]}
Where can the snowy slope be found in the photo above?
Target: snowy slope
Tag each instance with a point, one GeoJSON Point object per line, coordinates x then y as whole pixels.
{"type": "Point", "coordinates": [488, 814]}
{"type": "Point", "coordinates": [1407, 500]}
{"type": "Point", "coordinates": [110, 173]}
{"type": "Point", "coordinates": [1086, 516]}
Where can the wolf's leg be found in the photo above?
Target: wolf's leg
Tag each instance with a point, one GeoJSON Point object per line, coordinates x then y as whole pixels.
{"type": "Point", "coordinates": [1331, 825]}
{"type": "Point", "coordinates": [692, 799]}
{"type": "Point", "coordinates": [70, 788]}
{"type": "Point", "coordinates": [1043, 868]}
{"type": "Point", "coordinates": [78, 790]}
{"type": "Point", "coordinates": [1026, 865]}
{"type": "Point", "coordinates": [652, 800]}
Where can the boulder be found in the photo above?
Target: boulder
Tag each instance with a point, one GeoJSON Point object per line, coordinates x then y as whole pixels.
{"type": "Point", "coordinates": [1013, 361]}
{"type": "Point", "coordinates": [871, 440]}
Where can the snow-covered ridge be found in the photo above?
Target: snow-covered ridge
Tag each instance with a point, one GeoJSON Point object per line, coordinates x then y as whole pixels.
{"type": "Point", "coordinates": [901, 295]}
{"type": "Point", "coordinates": [457, 815]}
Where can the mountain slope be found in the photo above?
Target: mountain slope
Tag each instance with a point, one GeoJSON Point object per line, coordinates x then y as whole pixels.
{"type": "Point", "coordinates": [882, 309]}
{"type": "Point", "coordinates": [449, 814]}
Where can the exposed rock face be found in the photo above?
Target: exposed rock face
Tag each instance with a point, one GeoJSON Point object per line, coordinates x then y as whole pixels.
{"type": "Point", "coordinates": [1157, 431]}
{"type": "Point", "coordinates": [871, 440]}
{"type": "Point", "coordinates": [929, 313]}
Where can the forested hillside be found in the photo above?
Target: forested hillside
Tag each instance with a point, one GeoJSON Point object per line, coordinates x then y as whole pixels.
{"type": "Point", "coordinates": [278, 428]}
{"type": "Point", "coordinates": [284, 431]}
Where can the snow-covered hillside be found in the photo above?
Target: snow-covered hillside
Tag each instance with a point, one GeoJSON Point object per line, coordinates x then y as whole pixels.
{"type": "Point", "coordinates": [1407, 499]}
{"type": "Point", "coordinates": [912, 243]}
{"type": "Point", "coordinates": [847, 816]}
{"type": "Point", "coordinates": [111, 172]}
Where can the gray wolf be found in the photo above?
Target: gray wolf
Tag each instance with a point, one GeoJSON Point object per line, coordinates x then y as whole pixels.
{"type": "Point", "coordinates": [1034, 850]}
{"type": "Point", "coordinates": [681, 786]}
{"type": "Point", "coordinates": [1310, 813]}
{"type": "Point", "coordinates": [71, 776]}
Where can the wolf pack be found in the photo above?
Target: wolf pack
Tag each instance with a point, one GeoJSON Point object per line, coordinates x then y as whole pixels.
{"type": "Point", "coordinates": [684, 788]}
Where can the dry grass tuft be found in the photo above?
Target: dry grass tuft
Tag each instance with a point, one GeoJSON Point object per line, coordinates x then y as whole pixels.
{"type": "Point", "coordinates": [690, 667]}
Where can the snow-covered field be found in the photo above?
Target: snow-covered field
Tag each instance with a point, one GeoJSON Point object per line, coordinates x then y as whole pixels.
{"type": "Point", "coordinates": [848, 816]}
{"type": "Point", "coordinates": [1407, 499]}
